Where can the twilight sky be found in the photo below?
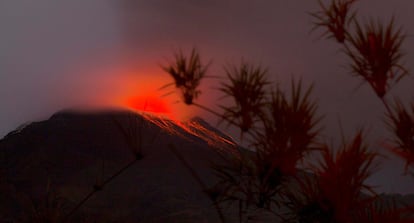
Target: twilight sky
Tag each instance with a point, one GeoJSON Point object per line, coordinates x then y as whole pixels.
{"type": "Point", "coordinates": [87, 53]}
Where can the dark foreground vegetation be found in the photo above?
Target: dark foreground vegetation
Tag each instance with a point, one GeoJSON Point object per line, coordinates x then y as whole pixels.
{"type": "Point", "coordinates": [283, 128]}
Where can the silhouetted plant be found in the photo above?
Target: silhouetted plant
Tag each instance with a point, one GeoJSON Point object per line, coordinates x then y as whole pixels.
{"type": "Point", "coordinates": [187, 73]}
{"type": "Point", "coordinates": [257, 180]}
{"type": "Point", "coordinates": [401, 124]}
{"type": "Point", "coordinates": [335, 18]}
{"type": "Point", "coordinates": [197, 177]}
{"type": "Point", "coordinates": [288, 128]}
{"type": "Point", "coordinates": [376, 55]}
{"type": "Point", "coordinates": [375, 52]}
{"type": "Point", "coordinates": [247, 89]}
{"type": "Point", "coordinates": [380, 211]}
{"type": "Point", "coordinates": [336, 193]}
{"type": "Point", "coordinates": [241, 184]}
{"type": "Point", "coordinates": [374, 48]}
{"type": "Point", "coordinates": [284, 129]}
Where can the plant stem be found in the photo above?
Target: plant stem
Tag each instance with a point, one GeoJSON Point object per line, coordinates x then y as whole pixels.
{"type": "Point", "coordinates": [218, 115]}
{"type": "Point", "coordinates": [91, 193]}
{"type": "Point", "coordinates": [197, 178]}
{"type": "Point", "coordinates": [213, 112]}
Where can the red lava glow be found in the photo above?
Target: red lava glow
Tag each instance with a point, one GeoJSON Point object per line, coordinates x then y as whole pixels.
{"type": "Point", "coordinates": [149, 103]}
{"type": "Point", "coordinates": [142, 92]}
{"type": "Point", "coordinates": [139, 89]}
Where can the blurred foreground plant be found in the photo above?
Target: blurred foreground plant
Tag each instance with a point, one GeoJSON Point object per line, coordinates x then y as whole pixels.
{"type": "Point", "coordinates": [401, 124]}
{"type": "Point", "coordinates": [187, 73]}
{"type": "Point", "coordinates": [337, 192]}
{"type": "Point", "coordinates": [286, 133]}
{"type": "Point", "coordinates": [376, 55]}
{"type": "Point", "coordinates": [247, 89]}
{"type": "Point", "coordinates": [335, 18]}
{"type": "Point", "coordinates": [283, 130]}
{"type": "Point", "coordinates": [374, 48]}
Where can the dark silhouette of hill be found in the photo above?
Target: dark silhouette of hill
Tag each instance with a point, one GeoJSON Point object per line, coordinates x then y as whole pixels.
{"type": "Point", "coordinates": [72, 151]}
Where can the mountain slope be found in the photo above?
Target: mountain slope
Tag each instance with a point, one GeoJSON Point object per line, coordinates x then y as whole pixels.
{"type": "Point", "coordinates": [62, 158]}
{"type": "Point", "coordinates": [73, 151]}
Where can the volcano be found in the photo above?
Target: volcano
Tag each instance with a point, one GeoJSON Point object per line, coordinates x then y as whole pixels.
{"type": "Point", "coordinates": [52, 165]}
{"type": "Point", "coordinates": [114, 166]}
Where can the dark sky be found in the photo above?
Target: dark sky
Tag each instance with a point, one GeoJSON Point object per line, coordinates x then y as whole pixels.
{"type": "Point", "coordinates": [60, 54]}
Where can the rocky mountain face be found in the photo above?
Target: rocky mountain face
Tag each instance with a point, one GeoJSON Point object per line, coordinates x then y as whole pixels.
{"type": "Point", "coordinates": [54, 164]}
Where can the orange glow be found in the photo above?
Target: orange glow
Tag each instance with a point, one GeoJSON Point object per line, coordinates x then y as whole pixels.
{"type": "Point", "coordinates": [149, 103]}
{"type": "Point", "coordinates": [137, 88]}
{"type": "Point", "coordinates": [142, 91]}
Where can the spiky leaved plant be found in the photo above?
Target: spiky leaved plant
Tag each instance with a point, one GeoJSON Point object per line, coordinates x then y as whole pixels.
{"type": "Point", "coordinates": [187, 73]}
{"type": "Point", "coordinates": [376, 55]}
{"type": "Point", "coordinates": [289, 128]}
{"type": "Point", "coordinates": [246, 87]}
{"type": "Point", "coordinates": [334, 18]}
{"type": "Point", "coordinates": [401, 124]}
{"type": "Point", "coordinates": [382, 211]}
{"type": "Point", "coordinates": [374, 47]}
{"type": "Point", "coordinates": [334, 194]}
{"type": "Point", "coordinates": [257, 180]}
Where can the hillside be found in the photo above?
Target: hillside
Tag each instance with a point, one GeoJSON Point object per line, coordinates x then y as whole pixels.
{"type": "Point", "coordinates": [73, 151]}
{"type": "Point", "coordinates": [50, 166]}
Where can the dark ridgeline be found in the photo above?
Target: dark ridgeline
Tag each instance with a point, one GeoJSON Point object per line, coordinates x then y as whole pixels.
{"type": "Point", "coordinates": [71, 154]}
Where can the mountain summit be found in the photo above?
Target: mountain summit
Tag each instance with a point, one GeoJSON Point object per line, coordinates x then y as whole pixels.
{"type": "Point", "coordinates": [72, 152]}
